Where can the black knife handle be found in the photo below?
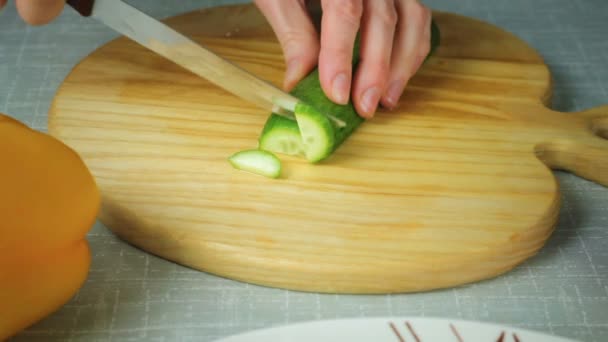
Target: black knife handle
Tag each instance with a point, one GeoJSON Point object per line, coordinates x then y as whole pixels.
{"type": "Point", "coordinates": [84, 7]}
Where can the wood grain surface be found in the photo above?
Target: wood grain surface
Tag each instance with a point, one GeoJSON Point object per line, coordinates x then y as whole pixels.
{"type": "Point", "coordinates": [452, 187]}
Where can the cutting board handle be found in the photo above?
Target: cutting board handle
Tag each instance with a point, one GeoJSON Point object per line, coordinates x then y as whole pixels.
{"type": "Point", "coordinates": [582, 151]}
{"type": "Point", "coordinates": [598, 120]}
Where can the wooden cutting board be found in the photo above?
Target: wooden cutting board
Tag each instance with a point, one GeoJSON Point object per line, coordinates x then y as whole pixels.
{"type": "Point", "coordinates": [453, 187]}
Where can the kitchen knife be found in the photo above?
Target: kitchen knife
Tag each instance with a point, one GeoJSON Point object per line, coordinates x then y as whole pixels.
{"type": "Point", "coordinates": [192, 56]}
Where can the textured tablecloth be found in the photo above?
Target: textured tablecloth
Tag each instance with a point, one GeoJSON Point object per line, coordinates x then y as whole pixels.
{"type": "Point", "coordinates": [131, 295]}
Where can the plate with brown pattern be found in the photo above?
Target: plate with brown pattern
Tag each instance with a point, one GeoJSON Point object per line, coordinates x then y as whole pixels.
{"type": "Point", "coordinates": [394, 329]}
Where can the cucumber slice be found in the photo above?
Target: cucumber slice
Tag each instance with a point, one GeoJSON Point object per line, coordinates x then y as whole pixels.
{"type": "Point", "coordinates": [282, 135]}
{"type": "Point", "coordinates": [257, 161]}
{"type": "Point", "coordinates": [317, 132]}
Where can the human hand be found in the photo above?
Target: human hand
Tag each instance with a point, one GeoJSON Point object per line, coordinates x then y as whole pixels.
{"type": "Point", "coordinates": [395, 39]}
{"type": "Point", "coordinates": [37, 12]}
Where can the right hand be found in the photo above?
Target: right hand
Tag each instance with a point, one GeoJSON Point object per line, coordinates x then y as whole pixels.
{"type": "Point", "coordinates": [37, 12]}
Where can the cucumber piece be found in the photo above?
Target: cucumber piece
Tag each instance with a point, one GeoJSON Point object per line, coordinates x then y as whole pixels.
{"type": "Point", "coordinates": [282, 135]}
{"type": "Point", "coordinates": [311, 135]}
{"type": "Point", "coordinates": [318, 136]}
{"type": "Point", "coordinates": [309, 91]}
{"type": "Point", "coordinates": [314, 133]}
{"type": "Point", "coordinates": [317, 132]}
{"type": "Point", "coordinates": [257, 161]}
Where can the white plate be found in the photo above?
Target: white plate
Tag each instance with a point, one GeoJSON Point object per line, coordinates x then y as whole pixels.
{"type": "Point", "coordinates": [393, 329]}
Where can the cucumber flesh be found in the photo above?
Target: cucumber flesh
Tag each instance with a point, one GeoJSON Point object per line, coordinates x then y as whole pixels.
{"type": "Point", "coordinates": [312, 135]}
{"type": "Point", "coordinates": [257, 161]}
{"type": "Point", "coordinates": [282, 135]}
{"type": "Point", "coordinates": [317, 132]}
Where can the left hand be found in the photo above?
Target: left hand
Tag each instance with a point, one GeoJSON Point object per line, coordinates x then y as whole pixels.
{"type": "Point", "coordinates": [395, 39]}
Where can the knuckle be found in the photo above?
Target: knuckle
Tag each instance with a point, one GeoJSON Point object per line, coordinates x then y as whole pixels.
{"type": "Point", "coordinates": [419, 10]}
{"type": "Point", "coordinates": [349, 10]}
{"type": "Point", "coordinates": [340, 54]}
{"type": "Point", "coordinates": [387, 14]}
{"type": "Point", "coordinates": [383, 68]}
{"type": "Point", "coordinates": [377, 71]}
{"type": "Point", "coordinates": [294, 40]}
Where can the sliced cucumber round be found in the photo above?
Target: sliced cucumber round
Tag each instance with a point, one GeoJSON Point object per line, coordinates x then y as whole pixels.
{"type": "Point", "coordinates": [317, 132]}
{"type": "Point", "coordinates": [282, 135]}
{"type": "Point", "coordinates": [257, 161]}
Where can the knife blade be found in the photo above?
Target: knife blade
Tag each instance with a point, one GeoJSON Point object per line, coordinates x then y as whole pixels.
{"type": "Point", "coordinates": [162, 39]}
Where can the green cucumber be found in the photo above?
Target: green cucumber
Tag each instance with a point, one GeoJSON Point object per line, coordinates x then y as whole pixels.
{"type": "Point", "coordinates": [257, 161]}
{"type": "Point", "coordinates": [309, 91]}
{"type": "Point", "coordinates": [312, 134]}
{"type": "Point", "coordinates": [309, 113]}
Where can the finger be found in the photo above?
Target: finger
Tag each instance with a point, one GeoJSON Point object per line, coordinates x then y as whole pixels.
{"type": "Point", "coordinates": [39, 12]}
{"type": "Point", "coordinates": [412, 43]}
{"type": "Point", "coordinates": [424, 47]}
{"type": "Point", "coordinates": [377, 32]}
{"type": "Point", "coordinates": [296, 34]}
{"type": "Point", "coordinates": [339, 25]}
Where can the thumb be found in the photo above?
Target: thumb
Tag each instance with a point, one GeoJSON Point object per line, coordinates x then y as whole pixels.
{"type": "Point", "coordinates": [297, 35]}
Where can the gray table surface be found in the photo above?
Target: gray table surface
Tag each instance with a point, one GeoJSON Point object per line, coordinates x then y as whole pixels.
{"type": "Point", "coordinates": [131, 295]}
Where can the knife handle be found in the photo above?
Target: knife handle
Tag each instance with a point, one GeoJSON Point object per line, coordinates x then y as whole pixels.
{"type": "Point", "coordinates": [84, 7]}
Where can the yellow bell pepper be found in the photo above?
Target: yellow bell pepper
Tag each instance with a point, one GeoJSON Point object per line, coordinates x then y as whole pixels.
{"type": "Point", "coordinates": [48, 203]}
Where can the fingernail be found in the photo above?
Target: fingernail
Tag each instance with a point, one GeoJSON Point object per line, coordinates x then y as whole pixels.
{"type": "Point", "coordinates": [369, 100]}
{"type": "Point", "coordinates": [339, 88]}
{"type": "Point", "coordinates": [394, 93]}
{"type": "Point", "coordinates": [294, 69]}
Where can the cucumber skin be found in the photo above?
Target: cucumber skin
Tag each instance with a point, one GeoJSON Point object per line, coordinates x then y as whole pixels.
{"type": "Point", "coordinates": [309, 91]}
